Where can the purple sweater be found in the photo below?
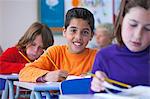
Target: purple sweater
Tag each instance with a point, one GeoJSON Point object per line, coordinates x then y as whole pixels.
{"type": "Point", "coordinates": [122, 65]}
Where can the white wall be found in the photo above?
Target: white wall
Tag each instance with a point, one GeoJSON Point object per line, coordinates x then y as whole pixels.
{"type": "Point", "coordinates": [15, 18]}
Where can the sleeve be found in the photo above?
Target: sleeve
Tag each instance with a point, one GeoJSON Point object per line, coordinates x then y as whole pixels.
{"type": "Point", "coordinates": [98, 63]}
{"type": "Point", "coordinates": [32, 71]}
{"type": "Point", "coordinates": [9, 62]}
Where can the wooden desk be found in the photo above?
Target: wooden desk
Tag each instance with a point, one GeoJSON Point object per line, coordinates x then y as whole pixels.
{"type": "Point", "coordinates": [8, 85]}
{"type": "Point", "coordinates": [38, 88]}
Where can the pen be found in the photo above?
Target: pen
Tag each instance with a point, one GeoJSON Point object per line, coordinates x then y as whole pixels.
{"type": "Point", "coordinates": [52, 61]}
{"type": "Point", "coordinates": [25, 57]}
{"type": "Point", "coordinates": [112, 81]}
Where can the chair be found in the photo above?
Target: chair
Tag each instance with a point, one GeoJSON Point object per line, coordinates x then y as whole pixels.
{"type": "Point", "coordinates": [2, 84]}
{"type": "Point", "coordinates": [75, 86]}
{"type": "Point", "coordinates": [4, 90]}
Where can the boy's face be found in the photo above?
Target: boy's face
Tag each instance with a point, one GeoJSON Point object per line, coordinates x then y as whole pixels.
{"type": "Point", "coordinates": [78, 34]}
{"type": "Point", "coordinates": [103, 38]}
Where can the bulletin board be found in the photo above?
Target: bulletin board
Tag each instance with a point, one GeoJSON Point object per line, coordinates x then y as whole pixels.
{"type": "Point", "coordinates": [51, 12]}
{"type": "Point", "coordinates": [102, 9]}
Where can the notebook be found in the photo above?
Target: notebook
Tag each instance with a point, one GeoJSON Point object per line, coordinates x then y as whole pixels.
{"type": "Point", "coordinates": [137, 92]}
{"type": "Point", "coordinates": [70, 77]}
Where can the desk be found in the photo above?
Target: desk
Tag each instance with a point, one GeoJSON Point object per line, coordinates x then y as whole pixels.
{"type": "Point", "coordinates": [9, 85]}
{"type": "Point", "coordinates": [86, 96]}
{"type": "Point", "coordinates": [96, 96]}
{"type": "Point", "coordinates": [38, 88]}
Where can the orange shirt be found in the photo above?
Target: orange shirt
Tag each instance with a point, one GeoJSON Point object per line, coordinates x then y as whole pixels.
{"type": "Point", "coordinates": [75, 64]}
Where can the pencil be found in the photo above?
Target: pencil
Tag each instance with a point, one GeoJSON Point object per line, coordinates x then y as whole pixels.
{"type": "Point", "coordinates": [52, 61]}
{"type": "Point", "coordinates": [117, 82]}
{"type": "Point", "coordinates": [25, 57]}
{"type": "Point", "coordinates": [112, 81]}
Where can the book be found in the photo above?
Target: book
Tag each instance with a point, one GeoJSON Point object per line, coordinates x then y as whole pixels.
{"type": "Point", "coordinates": [113, 96]}
{"type": "Point", "coordinates": [137, 92]}
{"type": "Point", "coordinates": [70, 77]}
{"type": "Point", "coordinates": [142, 92]}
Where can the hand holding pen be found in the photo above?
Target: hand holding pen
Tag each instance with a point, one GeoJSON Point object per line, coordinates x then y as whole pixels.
{"type": "Point", "coordinates": [98, 79]}
{"type": "Point", "coordinates": [57, 75]}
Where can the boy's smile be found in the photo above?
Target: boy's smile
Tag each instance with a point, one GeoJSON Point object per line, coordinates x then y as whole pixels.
{"type": "Point", "coordinates": [78, 34]}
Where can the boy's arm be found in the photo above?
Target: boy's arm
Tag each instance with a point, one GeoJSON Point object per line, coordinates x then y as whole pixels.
{"type": "Point", "coordinates": [32, 71]}
{"type": "Point", "coordinates": [31, 74]}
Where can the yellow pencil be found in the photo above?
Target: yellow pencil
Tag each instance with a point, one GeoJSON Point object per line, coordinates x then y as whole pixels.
{"type": "Point", "coordinates": [118, 83]}
{"type": "Point", "coordinates": [112, 81]}
{"type": "Point", "coordinates": [52, 61]}
{"type": "Point", "coordinates": [25, 57]}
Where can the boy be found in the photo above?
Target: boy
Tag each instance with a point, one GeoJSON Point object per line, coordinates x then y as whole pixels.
{"type": "Point", "coordinates": [72, 59]}
{"type": "Point", "coordinates": [104, 35]}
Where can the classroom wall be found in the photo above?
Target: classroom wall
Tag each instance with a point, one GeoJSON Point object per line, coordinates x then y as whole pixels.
{"type": "Point", "coordinates": [15, 17]}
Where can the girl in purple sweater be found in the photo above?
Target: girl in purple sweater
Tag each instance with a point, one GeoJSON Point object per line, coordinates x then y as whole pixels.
{"type": "Point", "coordinates": [129, 60]}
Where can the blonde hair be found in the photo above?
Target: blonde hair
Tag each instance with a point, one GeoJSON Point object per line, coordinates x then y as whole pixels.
{"type": "Point", "coordinates": [109, 28]}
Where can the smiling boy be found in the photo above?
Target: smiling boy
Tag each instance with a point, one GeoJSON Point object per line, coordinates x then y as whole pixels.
{"type": "Point", "coordinates": [71, 59]}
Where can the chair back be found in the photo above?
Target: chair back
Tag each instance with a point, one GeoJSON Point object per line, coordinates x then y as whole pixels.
{"type": "Point", "coordinates": [2, 84]}
{"type": "Point", "coordinates": [76, 86]}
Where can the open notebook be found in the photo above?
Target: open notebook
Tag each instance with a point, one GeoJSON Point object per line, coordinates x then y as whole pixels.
{"type": "Point", "coordinates": [70, 77]}
{"type": "Point", "coordinates": [137, 92]}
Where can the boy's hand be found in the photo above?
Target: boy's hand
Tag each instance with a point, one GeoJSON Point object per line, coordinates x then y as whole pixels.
{"type": "Point", "coordinates": [58, 75]}
{"type": "Point", "coordinates": [96, 84]}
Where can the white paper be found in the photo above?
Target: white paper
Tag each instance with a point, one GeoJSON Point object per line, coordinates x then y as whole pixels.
{"type": "Point", "coordinates": [137, 92]}
{"type": "Point", "coordinates": [70, 77]}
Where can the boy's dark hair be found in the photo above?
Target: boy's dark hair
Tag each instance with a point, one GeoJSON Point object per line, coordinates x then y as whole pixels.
{"type": "Point", "coordinates": [125, 6]}
{"type": "Point", "coordinates": [34, 30]}
{"type": "Point", "coordinates": [80, 13]}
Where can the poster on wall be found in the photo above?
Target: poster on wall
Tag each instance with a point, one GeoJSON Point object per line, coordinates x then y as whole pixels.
{"type": "Point", "coordinates": [51, 12]}
{"type": "Point", "coordinates": [102, 9]}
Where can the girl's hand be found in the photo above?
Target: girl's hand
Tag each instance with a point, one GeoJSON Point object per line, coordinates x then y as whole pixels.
{"type": "Point", "coordinates": [58, 75]}
{"type": "Point", "coordinates": [96, 84]}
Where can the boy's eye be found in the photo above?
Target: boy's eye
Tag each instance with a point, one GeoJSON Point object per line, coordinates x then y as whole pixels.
{"type": "Point", "coordinates": [86, 33]}
{"type": "Point", "coordinates": [73, 30]}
